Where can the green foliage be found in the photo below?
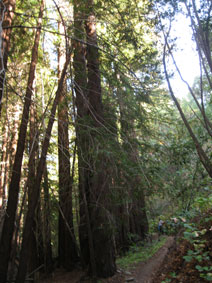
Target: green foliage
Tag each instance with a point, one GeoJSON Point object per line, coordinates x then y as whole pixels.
{"type": "Point", "coordinates": [172, 275]}
{"type": "Point", "coordinates": [25, 21]}
{"type": "Point", "coordinates": [203, 203]}
{"type": "Point", "coordinates": [205, 272]}
{"type": "Point", "coordinates": [167, 280]}
{"type": "Point", "coordinates": [199, 252]}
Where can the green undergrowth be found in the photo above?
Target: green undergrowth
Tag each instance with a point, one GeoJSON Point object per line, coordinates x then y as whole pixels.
{"type": "Point", "coordinates": [191, 261]}
{"type": "Point", "coordinates": [138, 253]}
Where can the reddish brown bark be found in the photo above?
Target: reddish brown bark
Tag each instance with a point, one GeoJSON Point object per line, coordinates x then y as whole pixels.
{"type": "Point", "coordinates": [36, 191]}
{"type": "Point", "coordinates": [3, 166]}
{"type": "Point", "coordinates": [33, 148]}
{"type": "Point", "coordinates": [7, 10]}
{"type": "Point", "coordinates": [8, 227]}
{"type": "Point", "coordinates": [4, 169]}
{"type": "Point", "coordinates": [10, 133]}
{"type": "Point", "coordinates": [15, 112]}
{"type": "Point", "coordinates": [95, 228]}
{"type": "Point", "coordinates": [99, 178]}
{"type": "Point", "coordinates": [94, 78]}
{"type": "Point", "coordinates": [83, 140]}
{"type": "Point", "coordinates": [66, 245]}
{"type": "Point", "coordinates": [48, 261]}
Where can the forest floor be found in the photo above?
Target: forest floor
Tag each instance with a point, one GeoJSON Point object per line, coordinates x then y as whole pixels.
{"type": "Point", "coordinates": [142, 272]}
{"type": "Point", "coordinates": [179, 260]}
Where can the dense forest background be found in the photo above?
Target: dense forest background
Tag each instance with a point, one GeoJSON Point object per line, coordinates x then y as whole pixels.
{"type": "Point", "coordinates": [94, 146]}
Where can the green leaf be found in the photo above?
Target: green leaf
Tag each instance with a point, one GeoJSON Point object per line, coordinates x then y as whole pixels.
{"type": "Point", "coordinates": [199, 268]}
{"type": "Point", "coordinates": [188, 258]}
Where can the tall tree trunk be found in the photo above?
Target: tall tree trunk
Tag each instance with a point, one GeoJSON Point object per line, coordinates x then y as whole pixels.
{"type": "Point", "coordinates": [122, 227]}
{"type": "Point", "coordinates": [66, 245]}
{"type": "Point", "coordinates": [36, 191]}
{"type": "Point", "coordinates": [138, 215]}
{"type": "Point", "coordinates": [82, 137]}
{"type": "Point", "coordinates": [3, 167]}
{"type": "Point", "coordinates": [14, 133]}
{"type": "Point", "coordinates": [135, 199]}
{"type": "Point", "coordinates": [33, 148]}
{"type": "Point", "coordinates": [99, 179]}
{"type": "Point", "coordinates": [8, 228]}
{"type": "Point", "coordinates": [48, 261]}
{"type": "Point", "coordinates": [122, 207]}
{"type": "Point", "coordinates": [95, 227]}
{"type": "Point", "coordinates": [7, 13]}
{"type": "Point", "coordinates": [9, 147]}
{"type": "Point", "coordinates": [12, 271]}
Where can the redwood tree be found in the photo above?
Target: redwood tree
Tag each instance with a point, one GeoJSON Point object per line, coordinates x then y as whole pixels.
{"type": "Point", "coordinates": [7, 13]}
{"type": "Point", "coordinates": [94, 180]}
{"type": "Point", "coordinates": [37, 184]}
{"type": "Point", "coordinates": [8, 227]}
{"type": "Point", "coordinates": [80, 79]}
{"type": "Point", "coordinates": [66, 242]}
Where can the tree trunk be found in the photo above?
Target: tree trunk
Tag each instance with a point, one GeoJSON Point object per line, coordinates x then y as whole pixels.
{"type": "Point", "coordinates": [12, 270]}
{"type": "Point", "coordinates": [33, 148]}
{"type": "Point", "coordinates": [8, 227]}
{"type": "Point", "coordinates": [9, 146]}
{"type": "Point", "coordinates": [66, 245]}
{"type": "Point", "coordinates": [7, 14]}
{"type": "Point", "coordinates": [96, 234]}
{"type": "Point", "coordinates": [14, 133]}
{"type": "Point", "coordinates": [82, 137]}
{"type": "Point", "coordinates": [36, 191]}
{"type": "Point", "coordinates": [138, 211]}
{"type": "Point", "coordinates": [121, 215]}
{"type": "Point", "coordinates": [48, 262]}
{"type": "Point", "coordinates": [99, 178]}
{"type": "Point", "coordinates": [134, 203]}
{"type": "Point", "coordinates": [3, 169]}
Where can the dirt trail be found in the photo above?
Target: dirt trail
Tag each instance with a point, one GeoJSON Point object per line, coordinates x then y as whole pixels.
{"type": "Point", "coordinates": [144, 272]}
{"type": "Point", "coordinates": [141, 273]}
